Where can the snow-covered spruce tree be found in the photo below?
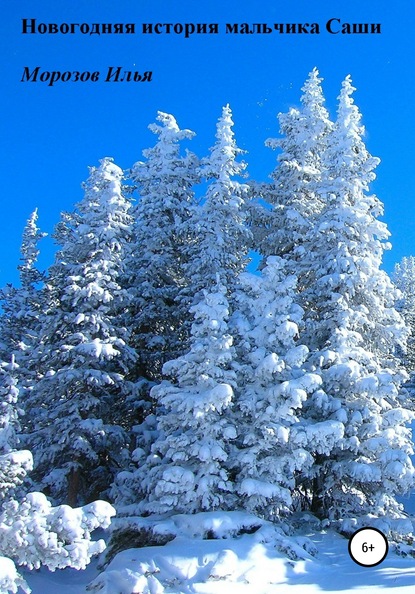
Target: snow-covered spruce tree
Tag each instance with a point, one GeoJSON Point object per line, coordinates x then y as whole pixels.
{"type": "Point", "coordinates": [21, 309]}
{"type": "Point", "coordinates": [20, 306]}
{"type": "Point", "coordinates": [158, 315]}
{"type": "Point", "coordinates": [404, 280]}
{"type": "Point", "coordinates": [221, 237]}
{"type": "Point", "coordinates": [293, 193]}
{"type": "Point", "coordinates": [32, 532]}
{"type": "Point", "coordinates": [30, 276]}
{"type": "Point", "coordinates": [186, 470]}
{"type": "Point", "coordinates": [78, 411]}
{"type": "Point", "coordinates": [352, 331]}
{"type": "Point", "coordinates": [272, 389]}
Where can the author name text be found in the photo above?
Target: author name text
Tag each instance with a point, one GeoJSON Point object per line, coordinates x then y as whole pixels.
{"type": "Point", "coordinates": [112, 74]}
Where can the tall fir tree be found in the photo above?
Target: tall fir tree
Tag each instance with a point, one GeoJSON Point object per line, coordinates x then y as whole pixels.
{"type": "Point", "coordinates": [294, 192]}
{"type": "Point", "coordinates": [30, 276]}
{"type": "Point", "coordinates": [158, 315]}
{"type": "Point", "coordinates": [213, 241]}
{"type": "Point", "coordinates": [352, 330]}
{"type": "Point", "coordinates": [221, 237]}
{"type": "Point", "coordinates": [78, 406]}
{"type": "Point", "coordinates": [22, 309]}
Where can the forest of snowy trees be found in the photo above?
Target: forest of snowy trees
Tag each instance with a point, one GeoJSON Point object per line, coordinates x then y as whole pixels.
{"type": "Point", "coordinates": [147, 371]}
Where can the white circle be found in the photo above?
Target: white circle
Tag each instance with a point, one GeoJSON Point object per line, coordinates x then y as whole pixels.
{"type": "Point", "coordinates": [368, 547]}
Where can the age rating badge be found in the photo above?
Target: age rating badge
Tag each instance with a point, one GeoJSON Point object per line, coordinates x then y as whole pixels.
{"type": "Point", "coordinates": [368, 547]}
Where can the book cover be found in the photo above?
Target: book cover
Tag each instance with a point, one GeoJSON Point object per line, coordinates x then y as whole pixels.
{"type": "Point", "coordinates": [86, 84]}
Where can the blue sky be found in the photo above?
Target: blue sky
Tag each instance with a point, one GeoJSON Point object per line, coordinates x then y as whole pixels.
{"type": "Point", "coordinates": [52, 134]}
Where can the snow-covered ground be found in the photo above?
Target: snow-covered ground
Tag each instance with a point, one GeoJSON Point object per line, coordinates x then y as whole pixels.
{"type": "Point", "coordinates": [247, 564]}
